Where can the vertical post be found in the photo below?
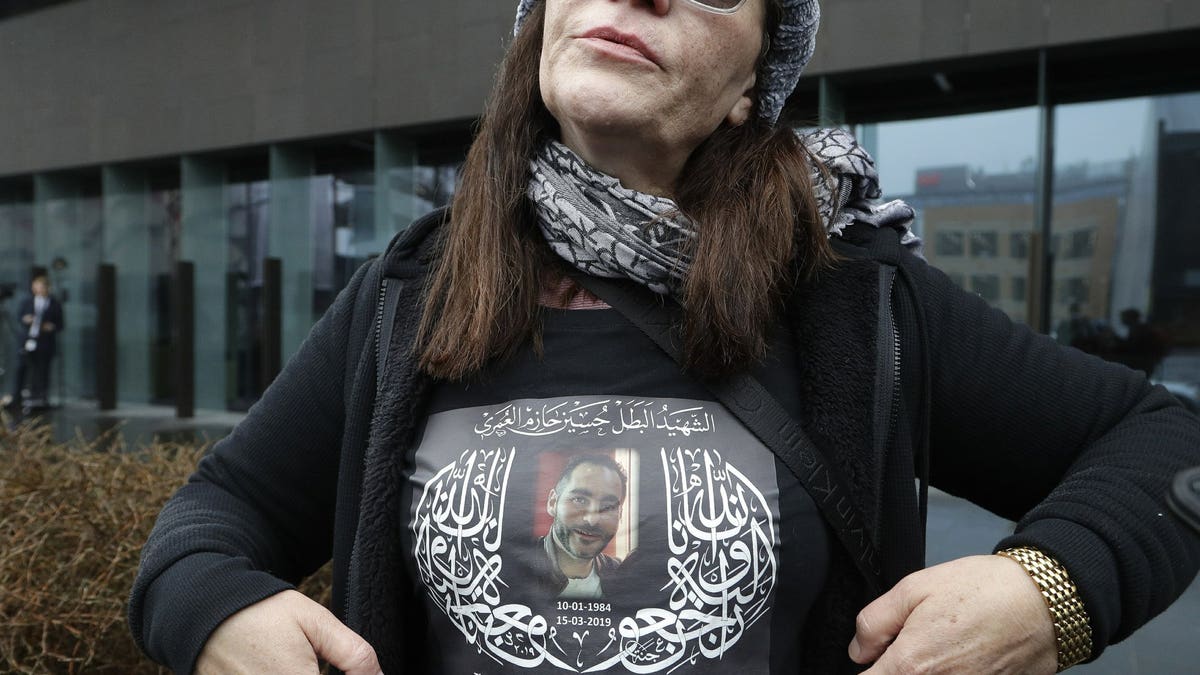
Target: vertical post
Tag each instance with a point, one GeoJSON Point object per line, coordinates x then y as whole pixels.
{"type": "Point", "coordinates": [126, 244]}
{"type": "Point", "coordinates": [272, 342]}
{"type": "Point", "coordinates": [291, 239]}
{"type": "Point", "coordinates": [205, 237]}
{"type": "Point", "coordinates": [395, 187]}
{"type": "Point", "coordinates": [831, 103]}
{"type": "Point", "coordinates": [106, 337]}
{"type": "Point", "coordinates": [183, 337]}
{"type": "Point", "coordinates": [1045, 196]}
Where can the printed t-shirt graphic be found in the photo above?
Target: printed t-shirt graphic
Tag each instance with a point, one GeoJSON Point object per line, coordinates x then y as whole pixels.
{"type": "Point", "coordinates": [596, 534]}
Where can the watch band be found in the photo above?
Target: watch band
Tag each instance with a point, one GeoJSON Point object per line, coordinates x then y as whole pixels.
{"type": "Point", "coordinates": [1072, 627]}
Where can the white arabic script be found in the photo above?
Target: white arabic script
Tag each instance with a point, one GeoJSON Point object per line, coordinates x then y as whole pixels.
{"type": "Point", "coordinates": [610, 417]}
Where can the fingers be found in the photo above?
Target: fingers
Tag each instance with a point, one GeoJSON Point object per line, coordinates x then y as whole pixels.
{"type": "Point", "coordinates": [337, 644]}
{"type": "Point", "coordinates": [285, 633]}
{"type": "Point", "coordinates": [880, 622]}
{"type": "Point", "coordinates": [971, 615]}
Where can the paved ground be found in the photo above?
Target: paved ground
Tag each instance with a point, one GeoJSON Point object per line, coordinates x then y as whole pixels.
{"type": "Point", "coordinates": [137, 425]}
{"type": "Point", "coordinates": [1169, 645]}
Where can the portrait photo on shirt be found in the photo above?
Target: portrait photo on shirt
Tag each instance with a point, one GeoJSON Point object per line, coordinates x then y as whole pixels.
{"type": "Point", "coordinates": [582, 514]}
{"type": "Point", "coordinates": [595, 534]}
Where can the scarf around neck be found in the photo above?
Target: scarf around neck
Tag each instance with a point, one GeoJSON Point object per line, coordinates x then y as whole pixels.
{"type": "Point", "coordinates": [604, 229]}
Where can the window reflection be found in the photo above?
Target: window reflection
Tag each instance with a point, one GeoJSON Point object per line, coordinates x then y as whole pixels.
{"type": "Point", "coordinates": [165, 225]}
{"type": "Point", "coordinates": [1126, 264]}
{"type": "Point", "coordinates": [344, 227]}
{"type": "Point", "coordinates": [247, 200]}
{"type": "Point", "coordinates": [972, 179]}
{"type": "Point", "coordinates": [16, 259]}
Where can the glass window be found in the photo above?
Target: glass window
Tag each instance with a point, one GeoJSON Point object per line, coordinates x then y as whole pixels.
{"type": "Point", "coordinates": [16, 260]}
{"type": "Point", "coordinates": [1018, 245]}
{"type": "Point", "coordinates": [1019, 289]}
{"type": "Point", "coordinates": [68, 238]}
{"type": "Point", "coordinates": [1081, 244]}
{"type": "Point", "coordinates": [983, 245]}
{"type": "Point", "coordinates": [948, 243]}
{"type": "Point", "coordinates": [436, 184]}
{"type": "Point", "coordinates": [1128, 271]}
{"type": "Point", "coordinates": [973, 180]}
{"type": "Point", "coordinates": [247, 205]}
{"type": "Point", "coordinates": [1073, 290]}
{"type": "Point", "coordinates": [343, 218]}
{"type": "Point", "coordinates": [166, 233]}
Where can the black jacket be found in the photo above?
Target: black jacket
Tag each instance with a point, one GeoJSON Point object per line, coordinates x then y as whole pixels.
{"type": "Point", "coordinates": [47, 340]}
{"type": "Point", "coordinates": [902, 372]}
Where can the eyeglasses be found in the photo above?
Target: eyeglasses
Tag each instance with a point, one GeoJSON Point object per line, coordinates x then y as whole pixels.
{"type": "Point", "coordinates": [719, 6]}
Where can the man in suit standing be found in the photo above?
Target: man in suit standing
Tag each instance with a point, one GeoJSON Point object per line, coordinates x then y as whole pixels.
{"type": "Point", "coordinates": [41, 320]}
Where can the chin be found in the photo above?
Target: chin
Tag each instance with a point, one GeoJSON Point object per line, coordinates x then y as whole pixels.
{"type": "Point", "coordinates": [600, 104]}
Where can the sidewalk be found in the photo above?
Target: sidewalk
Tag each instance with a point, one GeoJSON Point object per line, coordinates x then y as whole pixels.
{"type": "Point", "coordinates": [139, 425]}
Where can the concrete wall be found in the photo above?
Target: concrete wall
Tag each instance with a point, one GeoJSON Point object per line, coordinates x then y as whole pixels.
{"type": "Point", "coordinates": [894, 32]}
{"type": "Point", "coordinates": [106, 80]}
{"type": "Point", "coordinates": [94, 81]}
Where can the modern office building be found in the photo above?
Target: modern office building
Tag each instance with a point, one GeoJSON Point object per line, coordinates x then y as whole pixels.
{"type": "Point", "coordinates": [1050, 145]}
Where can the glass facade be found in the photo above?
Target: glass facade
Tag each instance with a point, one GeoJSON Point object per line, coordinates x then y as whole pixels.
{"type": "Point", "coordinates": [141, 240]}
{"type": "Point", "coordinates": [1125, 248]}
{"type": "Point", "coordinates": [1118, 262]}
{"type": "Point", "coordinates": [1121, 263]}
{"type": "Point", "coordinates": [68, 226]}
{"type": "Point", "coordinates": [16, 262]}
{"type": "Point", "coordinates": [247, 207]}
{"type": "Point", "coordinates": [973, 181]}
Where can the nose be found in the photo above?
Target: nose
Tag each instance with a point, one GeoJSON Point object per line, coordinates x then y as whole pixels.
{"type": "Point", "coordinates": [659, 7]}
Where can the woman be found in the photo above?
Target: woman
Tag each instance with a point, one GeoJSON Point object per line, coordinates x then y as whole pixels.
{"type": "Point", "coordinates": [425, 433]}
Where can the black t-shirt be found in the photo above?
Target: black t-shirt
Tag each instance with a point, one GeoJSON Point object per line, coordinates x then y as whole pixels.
{"type": "Point", "coordinates": [596, 510]}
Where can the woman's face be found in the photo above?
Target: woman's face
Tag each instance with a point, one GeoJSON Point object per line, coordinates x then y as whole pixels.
{"type": "Point", "coordinates": [659, 72]}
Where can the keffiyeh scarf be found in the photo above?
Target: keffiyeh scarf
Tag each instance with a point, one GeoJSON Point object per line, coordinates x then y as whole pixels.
{"type": "Point", "coordinates": [605, 229]}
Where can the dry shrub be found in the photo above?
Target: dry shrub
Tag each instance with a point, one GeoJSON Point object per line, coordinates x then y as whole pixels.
{"type": "Point", "coordinates": [73, 518]}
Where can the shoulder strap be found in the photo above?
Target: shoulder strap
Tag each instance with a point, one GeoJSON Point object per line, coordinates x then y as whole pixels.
{"type": "Point", "coordinates": [754, 406]}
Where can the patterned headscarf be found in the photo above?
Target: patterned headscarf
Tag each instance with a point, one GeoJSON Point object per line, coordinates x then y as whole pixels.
{"type": "Point", "coordinates": [791, 47]}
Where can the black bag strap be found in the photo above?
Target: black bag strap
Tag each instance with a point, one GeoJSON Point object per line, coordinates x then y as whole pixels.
{"type": "Point", "coordinates": [763, 415]}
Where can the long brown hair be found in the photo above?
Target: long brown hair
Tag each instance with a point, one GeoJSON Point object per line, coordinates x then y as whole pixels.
{"type": "Point", "coordinates": [747, 189]}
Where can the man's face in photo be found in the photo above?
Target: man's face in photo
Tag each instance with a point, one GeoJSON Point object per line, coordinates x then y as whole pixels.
{"type": "Point", "coordinates": [586, 507]}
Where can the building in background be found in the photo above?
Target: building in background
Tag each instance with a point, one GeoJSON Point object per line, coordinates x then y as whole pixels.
{"type": "Point", "coordinates": [978, 229]}
{"type": "Point", "coordinates": [239, 135]}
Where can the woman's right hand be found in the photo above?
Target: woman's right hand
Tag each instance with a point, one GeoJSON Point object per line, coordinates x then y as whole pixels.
{"type": "Point", "coordinates": [285, 633]}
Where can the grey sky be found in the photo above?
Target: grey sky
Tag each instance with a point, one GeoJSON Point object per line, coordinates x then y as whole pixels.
{"type": "Point", "coordinates": [1002, 141]}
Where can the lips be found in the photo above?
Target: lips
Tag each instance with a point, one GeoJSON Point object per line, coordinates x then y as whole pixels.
{"type": "Point", "coordinates": [587, 537]}
{"type": "Point", "coordinates": [616, 37]}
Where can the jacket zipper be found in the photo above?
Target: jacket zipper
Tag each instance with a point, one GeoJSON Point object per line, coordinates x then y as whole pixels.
{"type": "Point", "coordinates": [894, 415]}
{"type": "Point", "coordinates": [379, 308]}
{"type": "Point", "coordinates": [352, 585]}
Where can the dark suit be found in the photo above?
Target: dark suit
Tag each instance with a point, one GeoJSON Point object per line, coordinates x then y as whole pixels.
{"type": "Point", "coordinates": [36, 362]}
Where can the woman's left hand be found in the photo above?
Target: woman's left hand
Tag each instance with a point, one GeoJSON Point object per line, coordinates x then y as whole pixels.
{"type": "Point", "coordinates": [971, 615]}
